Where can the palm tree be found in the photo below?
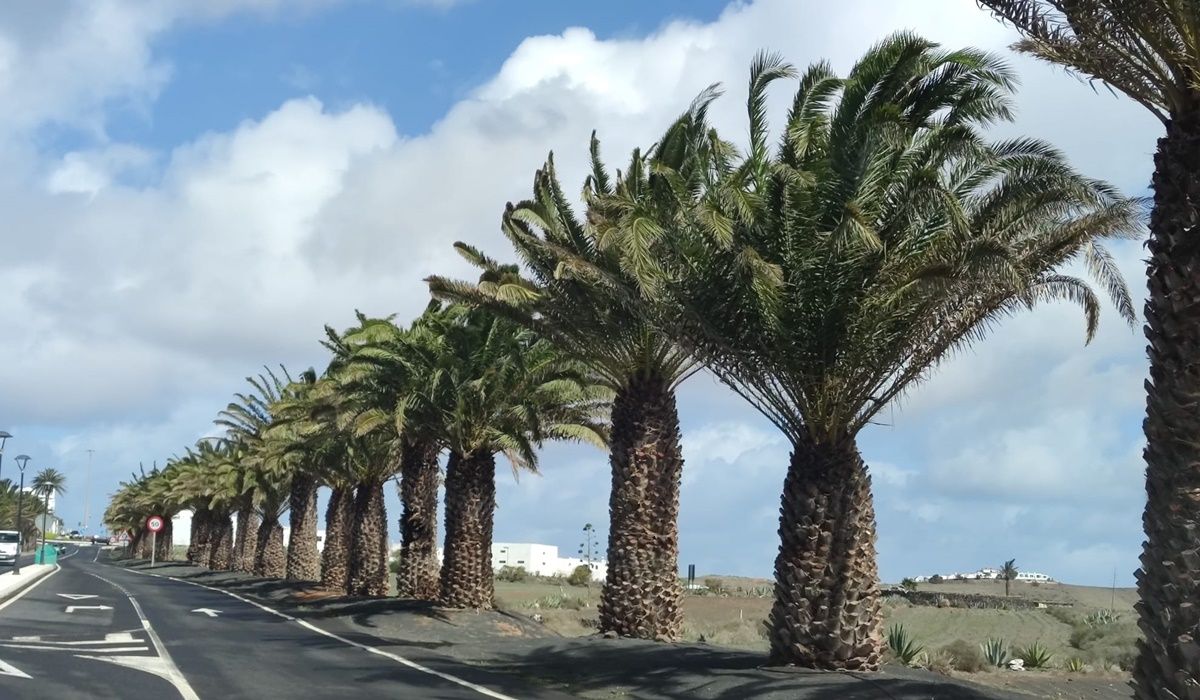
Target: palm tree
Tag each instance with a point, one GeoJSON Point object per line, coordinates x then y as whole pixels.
{"type": "Point", "coordinates": [245, 420]}
{"type": "Point", "coordinates": [1008, 572]}
{"type": "Point", "coordinates": [48, 482]}
{"type": "Point", "coordinates": [570, 299]}
{"type": "Point", "coordinates": [494, 387]}
{"type": "Point", "coordinates": [376, 384]}
{"type": "Point", "coordinates": [881, 235]}
{"type": "Point", "coordinates": [8, 511]}
{"type": "Point", "coordinates": [1148, 49]}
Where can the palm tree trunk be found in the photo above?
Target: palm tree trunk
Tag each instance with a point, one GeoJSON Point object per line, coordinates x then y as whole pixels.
{"type": "Point", "coordinates": [137, 544]}
{"type": "Point", "coordinates": [641, 595]}
{"type": "Point", "coordinates": [826, 613]}
{"type": "Point", "coordinates": [245, 543]}
{"type": "Point", "coordinates": [303, 559]}
{"type": "Point", "coordinates": [198, 545]}
{"type": "Point", "coordinates": [220, 541]}
{"type": "Point", "coordinates": [164, 544]}
{"type": "Point", "coordinates": [335, 559]}
{"type": "Point", "coordinates": [269, 559]}
{"type": "Point", "coordinates": [1168, 663]}
{"type": "Point", "coordinates": [368, 542]}
{"type": "Point", "coordinates": [418, 574]}
{"type": "Point", "coordinates": [467, 576]}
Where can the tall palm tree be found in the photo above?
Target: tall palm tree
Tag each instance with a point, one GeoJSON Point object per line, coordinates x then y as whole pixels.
{"type": "Point", "coordinates": [569, 299]}
{"type": "Point", "coordinates": [495, 388]}
{"type": "Point", "coordinates": [48, 482]}
{"type": "Point", "coordinates": [883, 233]}
{"type": "Point", "coordinates": [30, 509]}
{"type": "Point", "coordinates": [245, 420]}
{"type": "Point", "coordinates": [1150, 50]}
{"type": "Point", "coordinates": [376, 385]}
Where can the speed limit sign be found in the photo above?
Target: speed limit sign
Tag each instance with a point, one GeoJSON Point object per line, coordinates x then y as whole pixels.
{"type": "Point", "coordinates": [154, 523]}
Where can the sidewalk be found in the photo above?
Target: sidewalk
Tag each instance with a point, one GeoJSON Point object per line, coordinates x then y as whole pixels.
{"type": "Point", "coordinates": [11, 585]}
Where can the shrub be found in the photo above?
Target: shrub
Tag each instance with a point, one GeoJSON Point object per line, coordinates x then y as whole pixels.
{"type": "Point", "coordinates": [581, 576]}
{"type": "Point", "coordinates": [1102, 618]}
{"type": "Point", "coordinates": [995, 652]}
{"type": "Point", "coordinates": [1035, 655]}
{"type": "Point", "coordinates": [908, 584]}
{"type": "Point", "coordinates": [938, 662]}
{"type": "Point", "coordinates": [715, 585]}
{"type": "Point", "coordinates": [1063, 615]}
{"type": "Point", "coordinates": [902, 646]}
{"type": "Point", "coordinates": [964, 656]}
{"type": "Point", "coordinates": [394, 562]}
{"type": "Point", "coordinates": [512, 574]}
{"type": "Point", "coordinates": [559, 601]}
{"type": "Point", "coordinates": [936, 578]}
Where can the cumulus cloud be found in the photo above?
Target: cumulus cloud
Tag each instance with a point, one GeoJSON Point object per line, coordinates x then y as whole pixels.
{"type": "Point", "coordinates": [144, 281]}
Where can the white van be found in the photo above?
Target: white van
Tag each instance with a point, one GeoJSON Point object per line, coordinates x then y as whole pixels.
{"type": "Point", "coordinates": [10, 541]}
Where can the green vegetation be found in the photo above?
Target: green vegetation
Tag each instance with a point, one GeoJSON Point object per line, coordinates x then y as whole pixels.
{"type": "Point", "coordinates": [580, 576]}
{"type": "Point", "coordinates": [903, 647]}
{"type": "Point", "coordinates": [995, 652]}
{"type": "Point", "coordinates": [512, 574]}
{"type": "Point", "coordinates": [965, 656]}
{"type": "Point", "coordinates": [1035, 655]}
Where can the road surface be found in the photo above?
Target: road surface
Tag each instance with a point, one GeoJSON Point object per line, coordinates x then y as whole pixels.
{"type": "Point", "coordinates": [25, 559]}
{"type": "Point", "coordinates": [90, 630]}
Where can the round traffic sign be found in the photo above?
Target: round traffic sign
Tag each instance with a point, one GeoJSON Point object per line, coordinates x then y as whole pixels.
{"type": "Point", "coordinates": [154, 523]}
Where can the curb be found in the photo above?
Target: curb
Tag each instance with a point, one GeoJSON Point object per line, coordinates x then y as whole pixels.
{"type": "Point", "coordinates": [27, 584]}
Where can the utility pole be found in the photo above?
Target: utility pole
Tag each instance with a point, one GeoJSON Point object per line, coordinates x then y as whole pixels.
{"type": "Point", "coordinates": [87, 486]}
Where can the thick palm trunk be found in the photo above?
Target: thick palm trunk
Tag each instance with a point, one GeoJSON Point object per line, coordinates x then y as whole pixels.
{"type": "Point", "coordinates": [826, 613]}
{"type": "Point", "coordinates": [1168, 663]}
{"type": "Point", "coordinates": [164, 544]}
{"type": "Point", "coordinates": [303, 559]}
{"type": "Point", "coordinates": [369, 542]}
{"type": "Point", "coordinates": [335, 559]}
{"type": "Point", "coordinates": [198, 544]}
{"type": "Point", "coordinates": [220, 541]}
{"type": "Point", "coordinates": [641, 596]}
{"type": "Point", "coordinates": [269, 558]}
{"type": "Point", "coordinates": [138, 544]}
{"type": "Point", "coordinates": [418, 574]}
{"type": "Point", "coordinates": [467, 577]}
{"type": "Point", "coordinates": [246, 537]}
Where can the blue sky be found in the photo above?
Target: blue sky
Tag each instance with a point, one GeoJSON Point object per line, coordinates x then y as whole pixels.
{"type": "Point", "coordinates": [193, 190]}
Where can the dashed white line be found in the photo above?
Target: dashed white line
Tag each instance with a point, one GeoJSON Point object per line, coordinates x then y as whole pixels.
{"type": "Point", "coordinates": [370, 649]}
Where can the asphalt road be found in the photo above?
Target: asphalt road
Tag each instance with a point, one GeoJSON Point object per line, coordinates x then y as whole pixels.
{"type": "Point", "coordinates": [90, 630]}
{"type": "Point", "coordinates": [25, 559]}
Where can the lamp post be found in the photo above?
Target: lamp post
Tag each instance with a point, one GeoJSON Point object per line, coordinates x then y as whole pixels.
{"type": "Point", "coordinates": [22, 460]}
{"type": "Point", "coordinates": [4, 436]}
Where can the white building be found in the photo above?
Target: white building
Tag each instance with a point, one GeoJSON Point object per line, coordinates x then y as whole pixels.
{"type": "Point", "coordinates": [1033, 576]}
{"type": "Point", "coordinates": [988, 573]}
{"type": "Point", "coordinates": [541, 560]}
{"type": "Point", "coordinates": [181, 530]}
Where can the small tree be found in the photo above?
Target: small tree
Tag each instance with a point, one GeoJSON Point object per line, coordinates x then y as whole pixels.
{"type": "Point", "coordinates": [512, 574]}
{"type": "Point", "coordinates": [909, 584]}
{"type": "Point", "coordinates": [1008, 572]}
{"type": "Point", "coordinates": [581, 576]}
{"type": "Point", "coordinates": [936, 578]}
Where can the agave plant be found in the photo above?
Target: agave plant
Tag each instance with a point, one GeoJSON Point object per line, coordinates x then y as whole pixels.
{"type": "Point", "coordinates": [1101, 618]}
{"type": "Point", "coordinates": [904, 647]}
{"type": "Point", "coordinates": [1075, 665]}
{"type": "Point", "coordinates": [995, 651]}
{"type": "Point", "coordinates": [1035, 655]}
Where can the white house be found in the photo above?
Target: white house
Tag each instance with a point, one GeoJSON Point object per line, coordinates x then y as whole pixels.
{"type": "Point", "coordinates": [987, 573]}
{"type": "Point", "coordinates": [181, 530]}
{"type": "Point", "coordinates": [1033, 576]}
{"type": "Point", "coordinates": [541, 560]}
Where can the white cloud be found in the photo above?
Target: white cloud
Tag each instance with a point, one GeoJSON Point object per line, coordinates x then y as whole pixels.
{"type": "Point", "coordinates": [135, 291]}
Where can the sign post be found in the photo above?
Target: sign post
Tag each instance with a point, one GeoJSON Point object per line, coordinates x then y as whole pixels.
{"type": "Point", "coordinates": [154, 523]}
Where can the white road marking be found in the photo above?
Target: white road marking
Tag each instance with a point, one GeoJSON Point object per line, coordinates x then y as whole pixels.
{"type": "Point", "coordinates": [207, 611]}
{"type": "Point", "coordinates": [115, 638]}
{"type": "Point", "coordinates": [7, 669]}
{"type": "Point", "coordinates": [370, 649]}
{"type": "Point", "coordinates": [167, 668]}
{"type": "Point", "coordinates": [98, 650]}
{"type": "Point", "coordinates": [68, 556]}
{"type": "Point", "coordinates": [76, 596]}
{"type": "Point", "coordinates": [35, 584]}
{"type": "Point", "coordinates": [73, 608]}
{"type": "Point", "coordinates": [148, 664]}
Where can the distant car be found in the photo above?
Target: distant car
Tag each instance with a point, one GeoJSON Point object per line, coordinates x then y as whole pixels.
{"type": "Point", "coordinates": [73, 533]}
{"type": "Point", "coordinates": [60, 548]}
{"type": "Point", "coordinates": [100, 540]}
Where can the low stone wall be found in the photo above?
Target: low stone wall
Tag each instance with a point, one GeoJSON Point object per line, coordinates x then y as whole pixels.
{"type": "Point", "coordinates": [938, 599]}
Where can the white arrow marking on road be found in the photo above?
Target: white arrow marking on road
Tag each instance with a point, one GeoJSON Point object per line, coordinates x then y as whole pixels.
{"type": "Point", "coordinates": [207, 611]}
{"type": "Point", "coordinates": [76, 596]}
{"type": "Point", "coordinates": [73, 608]}
{"type": "Point", "coordinates": [7, 669]}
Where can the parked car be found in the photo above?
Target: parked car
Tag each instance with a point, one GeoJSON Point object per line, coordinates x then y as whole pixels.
{"type": "Point", "coordinates": [100, 540]}
{"type": "Point", "coordinates": [10, 543]}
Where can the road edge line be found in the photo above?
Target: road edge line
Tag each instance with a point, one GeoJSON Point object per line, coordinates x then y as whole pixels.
{"type": "Point", "coordinates": [17, 593]}
{"type": "Point", "coordinates": [369, 649]}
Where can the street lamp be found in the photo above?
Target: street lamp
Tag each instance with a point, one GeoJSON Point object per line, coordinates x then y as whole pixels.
{"type": "Point", "coordinates": [22, 460]}
{"type": "Point", "coordinates": [4, 436]}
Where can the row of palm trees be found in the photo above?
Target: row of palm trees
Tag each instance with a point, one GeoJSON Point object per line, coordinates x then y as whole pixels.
{"type": "Point", "coordinates": [46, 483]}
{"type": "Point", "coordinates": [819, 277]}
